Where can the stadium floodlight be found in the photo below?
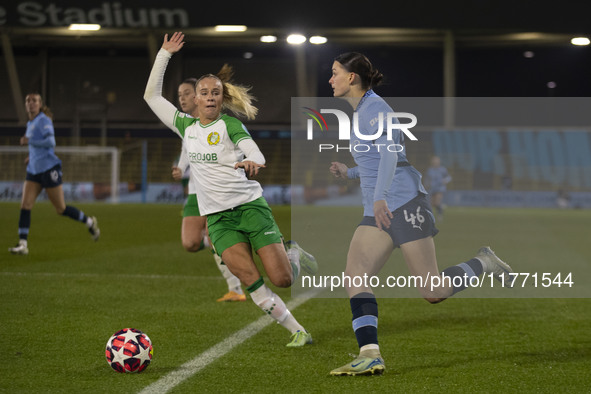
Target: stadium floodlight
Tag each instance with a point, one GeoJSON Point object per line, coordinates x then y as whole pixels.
{"type": "Point", "coordinates": [318, 40]}
{"type": "Point", "coordinates": [230, 28]}
{"type": "Point", "coordinates": [580, 41]}
{"type": "Point", "coordinates": [268, 38]}
{"type": "Point", "coordinates": [84, 26]}
{"type": "Point", "coordinates": [296, 39]}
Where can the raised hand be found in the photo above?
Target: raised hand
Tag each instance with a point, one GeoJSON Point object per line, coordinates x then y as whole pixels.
{"type": "Point", "coordinates": [175, 43]}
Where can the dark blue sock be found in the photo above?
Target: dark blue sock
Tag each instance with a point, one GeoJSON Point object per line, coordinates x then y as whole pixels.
{"type": "Point", "coordinates": [24, 223]}
{"type": "Point", "coordinates": [365, 318]}
{"type": "Point", "coordinates": [74, 213]}
{"type": "Point", "coordinates": [465, 271]}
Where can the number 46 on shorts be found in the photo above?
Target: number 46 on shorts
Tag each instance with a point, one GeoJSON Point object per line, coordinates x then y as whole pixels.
{"type": "Point", "coordinates": [415, 219]}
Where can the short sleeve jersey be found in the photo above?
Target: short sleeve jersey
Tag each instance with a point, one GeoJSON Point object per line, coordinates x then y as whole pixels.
{"type": "Point", "coordinates": [213, 150]}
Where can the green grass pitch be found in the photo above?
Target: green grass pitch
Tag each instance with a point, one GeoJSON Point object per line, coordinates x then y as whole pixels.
{"type": "Point", "coordinates": [60, 304]}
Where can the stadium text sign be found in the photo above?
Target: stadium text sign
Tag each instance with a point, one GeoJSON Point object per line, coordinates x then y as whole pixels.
{"type": "Point", "coordinates": [107, 14]}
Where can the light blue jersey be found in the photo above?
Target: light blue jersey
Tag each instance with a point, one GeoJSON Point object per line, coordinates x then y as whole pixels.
{"type": "Point", "coordinates": [437, 179]}
{"type": "Point", "coordinates": [384, 173]}
{"type": "Point", "coordinates": [41, 143]}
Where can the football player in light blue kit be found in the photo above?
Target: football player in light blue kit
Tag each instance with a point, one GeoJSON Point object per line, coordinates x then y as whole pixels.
{"type": "Point", "coordinates": [396, 213]}
{"type": "Point", "coordinates": [44, 171]}
{"type": "Point", "coordinates": [436, 179]}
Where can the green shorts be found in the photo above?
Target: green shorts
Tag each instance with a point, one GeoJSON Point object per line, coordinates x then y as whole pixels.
{"type": "Point", "coordinates": [191, 207]}
{"type": "Point", "coordinates": [252, 223]}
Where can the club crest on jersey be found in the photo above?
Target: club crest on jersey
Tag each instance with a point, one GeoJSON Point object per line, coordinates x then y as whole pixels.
{"type": "Point", "coordinates": [213, 138]}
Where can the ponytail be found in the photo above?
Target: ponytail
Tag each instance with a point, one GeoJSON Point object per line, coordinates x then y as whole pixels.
{"type": "Point", "coordinates": [237, 98]}
{"type": "Point", "coordinates": [45, 109]}
{"type": "Point", "coordinates": [359, 64]}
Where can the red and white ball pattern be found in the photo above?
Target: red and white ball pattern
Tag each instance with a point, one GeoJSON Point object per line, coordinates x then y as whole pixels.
{"type": "Point", "coordinates": [129, 350]}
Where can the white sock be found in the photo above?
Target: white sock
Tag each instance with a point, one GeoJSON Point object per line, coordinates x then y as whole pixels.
{"type": "Point", "coordinates": [231, 279]}
{"type": "Point", "coordinates": [370, 350]}
{"type": "Point", "coordinates": [89, 222]}
{"type": "Point", "coordinates": [274, 306]}
{"type": "Point", "coordinates": [206, 242]}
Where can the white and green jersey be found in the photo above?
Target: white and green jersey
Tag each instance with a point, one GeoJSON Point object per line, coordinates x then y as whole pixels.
{"type": "Point", "coordinates": [213, 151]}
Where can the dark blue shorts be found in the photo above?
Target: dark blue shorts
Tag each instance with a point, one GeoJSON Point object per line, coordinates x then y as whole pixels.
{"type": "Point", "coordinates": [48, 179]}
{"type": "Point", "coordinates": [412, 221]}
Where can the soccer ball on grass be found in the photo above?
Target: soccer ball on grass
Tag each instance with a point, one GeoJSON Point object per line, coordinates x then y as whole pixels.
{"type": "Point", "coordinates": [129, 350]}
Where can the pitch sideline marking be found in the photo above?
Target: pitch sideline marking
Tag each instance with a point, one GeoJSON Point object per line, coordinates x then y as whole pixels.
{"type": "Point", "coordinates": [220, 349]}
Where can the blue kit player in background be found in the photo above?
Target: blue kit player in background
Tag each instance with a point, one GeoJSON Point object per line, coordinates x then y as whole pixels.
{"type": "Point", "coordinates": [436, 180]}
{"type": "Point", "coordinates": [396, 214]}
{"type": "Point", "coordinates": [44, 171]}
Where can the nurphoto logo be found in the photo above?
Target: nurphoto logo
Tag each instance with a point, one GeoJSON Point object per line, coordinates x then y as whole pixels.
{"type": "Point", "coordinates": [384, 121]}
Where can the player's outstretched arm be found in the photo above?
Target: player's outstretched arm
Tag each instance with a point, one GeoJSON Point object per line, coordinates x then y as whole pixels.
{"type": "Point", "coordinates": [164, 109]}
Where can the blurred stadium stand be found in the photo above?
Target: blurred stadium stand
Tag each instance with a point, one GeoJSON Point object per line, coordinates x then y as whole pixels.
{"type": "Point", "coordinates": [94, 81]}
